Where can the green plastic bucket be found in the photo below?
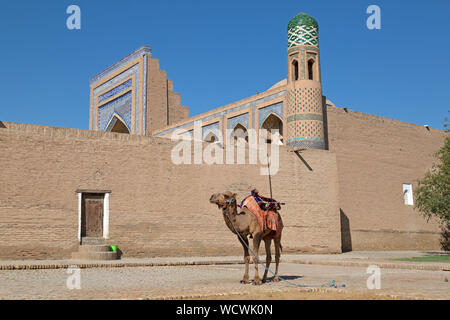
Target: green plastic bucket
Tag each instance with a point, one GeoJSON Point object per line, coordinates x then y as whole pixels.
{"type": "Point", "coordinates": [113, 248]}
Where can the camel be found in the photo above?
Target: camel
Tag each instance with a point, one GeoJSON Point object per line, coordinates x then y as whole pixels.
{"type": "Point", "coordinates": [246, 224]}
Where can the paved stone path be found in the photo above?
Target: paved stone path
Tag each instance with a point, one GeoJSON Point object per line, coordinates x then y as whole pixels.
{"type": "Point", "coordinates": [214, 280]}
{"type": "Point", "coordinates": [354, 258]}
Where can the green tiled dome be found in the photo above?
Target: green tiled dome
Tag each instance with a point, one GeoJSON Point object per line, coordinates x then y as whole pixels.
{"type": "Point", "coordinates": [302, 19]}
{"type": "Point", "coordinates": [303, 30]}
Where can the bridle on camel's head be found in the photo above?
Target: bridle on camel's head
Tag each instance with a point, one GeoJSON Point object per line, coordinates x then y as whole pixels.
{"type": "Point", "coordinates": [230, 198]}
{"type": "Point", "coordinates": [229, 201]}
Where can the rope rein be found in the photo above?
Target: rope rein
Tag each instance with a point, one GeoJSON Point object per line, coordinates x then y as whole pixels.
{"type": "Point", "coordinates": [328, 284]}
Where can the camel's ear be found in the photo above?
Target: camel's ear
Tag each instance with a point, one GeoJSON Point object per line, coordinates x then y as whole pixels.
{"type": "Point", "coordinates": [234, 195]}
{"type": "Point", "coordinates": [227, 195]}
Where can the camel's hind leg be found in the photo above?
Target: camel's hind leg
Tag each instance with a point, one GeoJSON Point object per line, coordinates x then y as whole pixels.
{"type": "Point", "coordinates": [267, 242]}
{"type": "Point", "coordinates": [244, 243]}
{"type": "Point", "coordinates": [277, 256]}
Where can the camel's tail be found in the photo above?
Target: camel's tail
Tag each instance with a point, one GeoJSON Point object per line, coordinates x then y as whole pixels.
{"type": "Point", "coordinates": [281, 247]}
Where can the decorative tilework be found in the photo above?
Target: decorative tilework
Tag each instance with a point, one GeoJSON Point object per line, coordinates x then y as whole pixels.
{"type": "Point", "coordinates": [132, 56]}
{"type": "Point", "coordinates": [296, 117]}
{"type": "Point", "coordinates": [114, 91]}
{"type": "Point", "coordinates": [305, 117]}
{"type": "Point", "coordinates": [307, 129]}
{"type": "Point", "coordinates": [189, 133]}
{"type": "Point", "coordinates": [136, 103]}
{"type": "Point", "coordinates": [306, 138]}
{"type": "Point", "coordinates": [111, 83]}
{"type": "Point", "coordinates": [304, 100]}
{"type": "Point", "coordinates": [120, 106]}
{"type": "Point", "coordinates": [134, 70]}
{"type": "Point", "coordinates": [242, 119]}
{"type": "Point", "coordinates": [224, 112]}
{"type": "Point", "coordinates": [111, 124]}
{"type": "Point", "coordinates": [303, 19]}
{"type": "Point", "coordinates": [253, 114]}
{"type": "Point", "coordinates": [307, 142]}
{"type": "Point", "coordinates": [303, 30]}
{"type": "Point", "coordinates": [303, 35]}
{"type": "Point", "coordinates": [223, 127]}
{"type": "Point", "coordinates": [213, 127]}
{"type": "Point", "coordinates": [276, 108]}
{"type": "Point", "coordinates": [144, 98]}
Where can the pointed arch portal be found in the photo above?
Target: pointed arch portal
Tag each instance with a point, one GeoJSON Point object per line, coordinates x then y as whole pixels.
{"type": "Point", "coordinates": [239, 131]}
{"type": "Point", "coordinates": [211, 137]}
{"type": "Point", "coordinates": [117, 125]}
{"type": "Point", "coordinates": [273, 122]}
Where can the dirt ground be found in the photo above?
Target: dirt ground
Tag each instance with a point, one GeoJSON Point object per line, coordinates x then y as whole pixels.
{"type": "Point", "coordinates": [295, 294]}
{"type": "Point", "coordinates": [199, 282]}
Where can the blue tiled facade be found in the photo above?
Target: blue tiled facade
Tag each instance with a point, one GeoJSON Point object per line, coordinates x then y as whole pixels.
{"type": "Point", "coordinates": [221, 114]}
{"type": "Point", "coordinates": [242, 119]}
{"type": "Point", "coordinates": [213, 127]}
{"type": "Point", "coordinates": [120, 77]}
{"type": "Point", "coordinates": [110, 84]}
{"type": "Point", "coordinates": [276, 108]}
{"type": "Point", "coordinates": [132, 56]}
{"type": "Point", "coordinates": [114, 91]}
{"type": "Point", "coordinates": [120, 106]}
{"type": "Point", "coordinates": [144, 98]}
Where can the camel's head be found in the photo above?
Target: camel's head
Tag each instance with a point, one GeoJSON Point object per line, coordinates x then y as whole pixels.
{"type": "Point", "coordinates": [223, 200]}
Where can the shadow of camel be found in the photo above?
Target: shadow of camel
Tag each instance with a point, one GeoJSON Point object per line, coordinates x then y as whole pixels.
{"type": "Point", "coordinates": [289, 278]}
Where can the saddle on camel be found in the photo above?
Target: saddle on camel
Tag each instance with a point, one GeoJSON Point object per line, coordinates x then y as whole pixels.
{"type": "Point", "coordinates": [265, 210]}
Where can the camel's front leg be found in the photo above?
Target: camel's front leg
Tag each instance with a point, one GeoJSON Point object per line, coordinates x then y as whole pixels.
{"type": "Point", "coordinates": [256, 243]}
{"type": "Point", "coordinates": [246, 259]}
{"type": "Point", "coordinates": [267, 243]}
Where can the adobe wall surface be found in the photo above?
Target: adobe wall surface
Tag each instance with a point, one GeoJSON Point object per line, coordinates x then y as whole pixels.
{"type": "Point", "coordinates": [156, 208]}
{"type": "Point", "coordinates": [156, 116]}
{"type": "Point", "coordinates": [375, 157]}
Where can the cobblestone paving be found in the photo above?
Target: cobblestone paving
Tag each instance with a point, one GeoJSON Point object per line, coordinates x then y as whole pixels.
{"type": "Point", "coordinates": [198, 281]}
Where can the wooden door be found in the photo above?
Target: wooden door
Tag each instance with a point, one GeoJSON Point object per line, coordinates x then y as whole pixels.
{"type": "Point", "coordinates": [92, 215]}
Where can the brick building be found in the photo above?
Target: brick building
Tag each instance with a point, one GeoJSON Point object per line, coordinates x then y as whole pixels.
{"type": "Point", "coordinates": [350, 187]}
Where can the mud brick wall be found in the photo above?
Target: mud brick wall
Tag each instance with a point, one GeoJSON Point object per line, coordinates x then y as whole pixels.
{"type": "Point", "coordinates": [349, 197]}
{"type": "Point", "coordinates": [156, 208]}
{"type": "Point", "coordinates": [375, 156]}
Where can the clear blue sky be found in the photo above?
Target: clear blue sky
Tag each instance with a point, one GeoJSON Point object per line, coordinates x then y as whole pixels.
{"type": "Point", "coordinates": [217, 52]}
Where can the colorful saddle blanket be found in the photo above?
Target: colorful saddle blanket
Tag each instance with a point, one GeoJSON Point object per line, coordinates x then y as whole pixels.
{"type": "Point", "coordinates": [267, 219]}
{"type": "Point", "coordinates": [263, 202]}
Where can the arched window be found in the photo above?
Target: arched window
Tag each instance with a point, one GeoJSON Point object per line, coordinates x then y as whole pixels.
{"type": "Point", "coordinates": [294, 70]}
{"type": "Point", "coordinates": [273, 122]}
{"type": "Point", "coordinates": [239, 132]}
{"type": "Point", "coordinates": [211, 137]}
{"type": "Point", "coordinates": [311, 69]}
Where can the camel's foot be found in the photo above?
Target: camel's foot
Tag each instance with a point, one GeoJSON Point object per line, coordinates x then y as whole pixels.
{"type": "Point", "coordinates": [245, 280]}
{"type": "Point", "coordinates": [257, 281]}
{"type": "Point", "coordinates": [276, 279]}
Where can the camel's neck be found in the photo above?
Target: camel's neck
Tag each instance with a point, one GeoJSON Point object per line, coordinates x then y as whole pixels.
{"type": "Point", "coordinates": [231, 209]}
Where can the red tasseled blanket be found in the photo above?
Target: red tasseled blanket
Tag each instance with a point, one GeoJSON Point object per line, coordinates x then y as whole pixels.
{"type": "Point", "coordinates": [266, 219]}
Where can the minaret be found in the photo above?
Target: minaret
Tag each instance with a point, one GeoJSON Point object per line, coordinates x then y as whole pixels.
{"type": "Point", "coordinates": [304, 117]}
